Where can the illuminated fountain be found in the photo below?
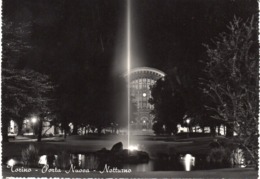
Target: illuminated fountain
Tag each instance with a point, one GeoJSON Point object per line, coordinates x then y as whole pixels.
{"type": "Point", "coordinates": [130, 146]}
{"type": "Point", "coordinates": [128, 69]}
{"type": "Point", "coordinates": [129, 52]}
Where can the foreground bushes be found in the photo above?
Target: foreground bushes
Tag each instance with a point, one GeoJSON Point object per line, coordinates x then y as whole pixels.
{"type": "Point", "coordinates": [30, 156]}
{"type": "Point", "coordinates": [63, 160]}
{"type": "Point", "coordinates": [219, 157]}
{"type": "Point", "coordinates": [91, 162]}
{"type": "Point", "coordinates": [223, 155]}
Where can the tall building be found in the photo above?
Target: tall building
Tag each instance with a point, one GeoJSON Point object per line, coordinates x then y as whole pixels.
{"type": "Point", "coordinates": [141, 79]}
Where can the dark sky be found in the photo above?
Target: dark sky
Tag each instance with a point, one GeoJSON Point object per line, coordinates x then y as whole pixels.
{"type": "Point", "coordinates": [166, 32]}
{"type": "Point", "coordinates": [80, 43]}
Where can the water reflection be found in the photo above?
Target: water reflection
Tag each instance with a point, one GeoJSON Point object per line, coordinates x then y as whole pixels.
{"type": "Point", "coordinates": [90, 162]}
{"type": "Point", "coordinates": [11, 162]}
{"type": "Point", "coordinates": [144, 167]}
{"type": "Point", "coordinates": [94, 163]}
{"type": "Point", "coordinates": [188, 161]}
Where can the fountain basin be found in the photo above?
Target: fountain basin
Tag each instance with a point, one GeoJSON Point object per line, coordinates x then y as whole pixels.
{"type": "Point", "coordinates": [118, 154]}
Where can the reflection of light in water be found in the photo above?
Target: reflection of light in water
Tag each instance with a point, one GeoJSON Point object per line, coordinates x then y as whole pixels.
{"type": "Point", "coordinates": [80, 158]}
{"type": "Point", "coordinates": [43, 160]}
{"type": "Point", "coordinates": [11, 162]}
{"type": "Point", "coordinates": [189, 161]}
{"type": "Point", "coordinates": [133, 147]}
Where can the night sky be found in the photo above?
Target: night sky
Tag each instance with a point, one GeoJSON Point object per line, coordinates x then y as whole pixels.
{"type": "Point", "coordinates": [80, 44]}
{"type": "Point", "coordinates": [166, 32]}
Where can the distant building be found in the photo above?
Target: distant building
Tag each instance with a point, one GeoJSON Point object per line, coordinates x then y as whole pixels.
{"type": "Point", "coordinates": [141, 79]}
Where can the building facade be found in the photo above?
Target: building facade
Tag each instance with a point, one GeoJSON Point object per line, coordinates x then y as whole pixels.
{"type": "Point", "coordinates": [141, 80]}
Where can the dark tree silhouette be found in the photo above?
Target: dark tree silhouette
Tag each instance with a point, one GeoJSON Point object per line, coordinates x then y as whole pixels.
{"type": "Point", "coordinates": [169, 107]}
{"type": "Point", "coordinates": [24, 91]}
{"type": "Point", "coordinates": [232, 81]}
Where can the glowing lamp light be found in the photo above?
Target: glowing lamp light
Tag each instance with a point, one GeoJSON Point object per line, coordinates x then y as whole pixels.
{"type": "Point", "coordinates": [144, 94]}
{"type": "Point", "coordinates": [133, 147]}
{"type": "Point", "coordinates": [11, 162]}
{"type": "Point", "coordinates": [34, 120]}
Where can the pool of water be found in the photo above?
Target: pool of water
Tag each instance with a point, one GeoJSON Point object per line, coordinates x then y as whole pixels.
{"type": "Point", "coordinates": [93, 162]}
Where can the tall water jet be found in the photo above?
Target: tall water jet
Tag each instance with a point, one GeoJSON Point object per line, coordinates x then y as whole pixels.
{"type": "Point", "coordinates": [128, 69]}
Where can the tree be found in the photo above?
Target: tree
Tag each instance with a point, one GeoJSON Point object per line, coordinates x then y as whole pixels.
{"type": "Point", "coordinates": [232, 81]}
{"type": "Point", "coordinates": [187, 86]}
{"type": "Point", "coordinates": [16, 42]}
{"type": "Point", "coordinates": [169, 107]}
{"type": "Point", "coordinates": [24, 91]}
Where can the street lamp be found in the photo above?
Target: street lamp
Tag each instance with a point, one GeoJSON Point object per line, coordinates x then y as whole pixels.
{"type": "Point", "coordinates": [34, 120]}
{"type": "Point", "coordinates": [188, 124]}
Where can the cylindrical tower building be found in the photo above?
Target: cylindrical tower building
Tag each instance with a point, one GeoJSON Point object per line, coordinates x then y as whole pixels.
{"type": "Point", "coordinates": [141, 79]}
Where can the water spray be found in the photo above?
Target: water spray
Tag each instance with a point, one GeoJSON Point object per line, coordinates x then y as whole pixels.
{"type": "Point", "coordinates": [128, 69]}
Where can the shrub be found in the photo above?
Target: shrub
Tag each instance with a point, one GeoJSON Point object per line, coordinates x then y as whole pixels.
{"type": "Point", "coordinates": [63, 160]}
{"type": "Point", "coordinates": [238, 157]}
{"type": "Point", "coordinates": [158, 128]}
{"type": "Point", "coordinates": [91, 162]}
{"type": "Point", "coordinates": [219, 157]}
{"type": "Point", "coordinates": [30, 156]}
